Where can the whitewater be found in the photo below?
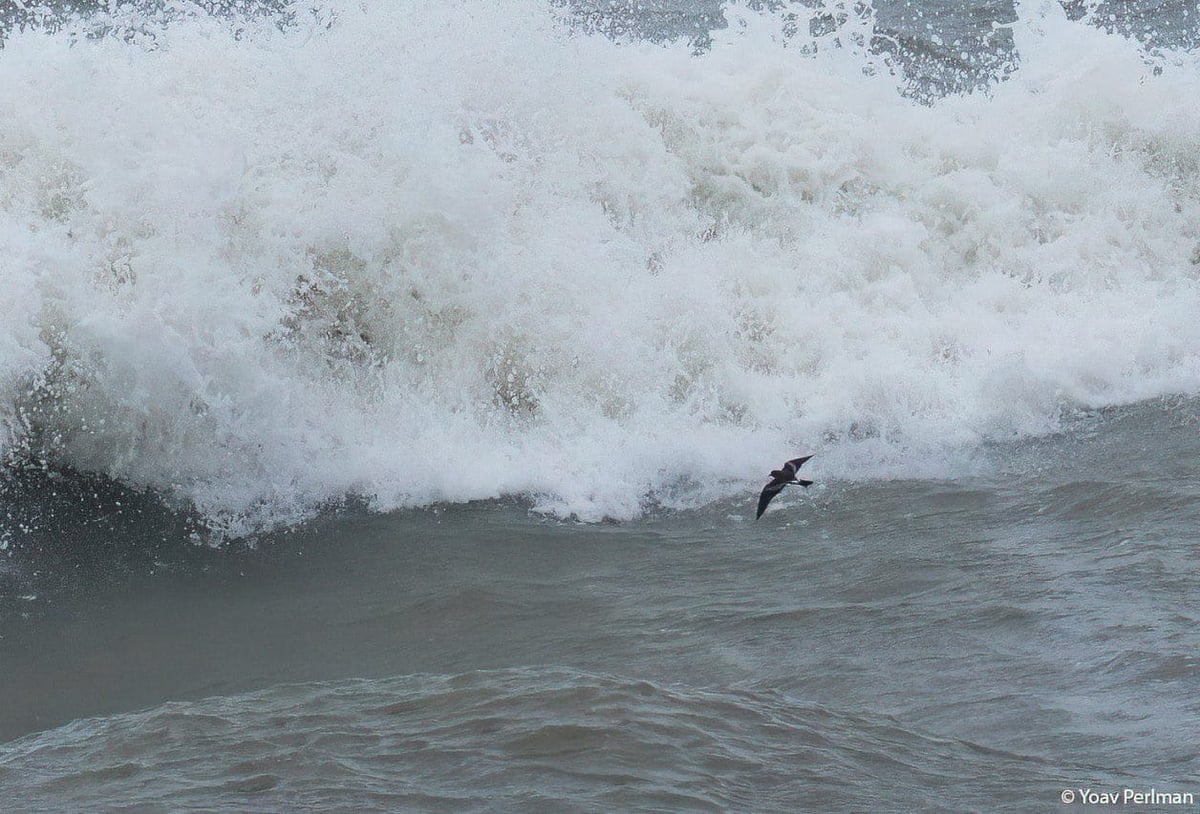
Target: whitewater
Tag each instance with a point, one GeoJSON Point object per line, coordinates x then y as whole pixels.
{"type": "Point", "coordinates": [428, 254]}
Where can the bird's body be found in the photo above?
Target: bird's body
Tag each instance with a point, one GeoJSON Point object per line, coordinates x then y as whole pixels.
{"type": "Point", "coordinates": [784, 476]}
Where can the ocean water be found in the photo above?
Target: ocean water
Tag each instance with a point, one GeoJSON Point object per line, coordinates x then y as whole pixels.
{"type": "Point", "coordinates": [385, 390]}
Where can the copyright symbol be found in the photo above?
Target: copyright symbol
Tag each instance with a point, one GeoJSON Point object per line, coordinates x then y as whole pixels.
{"type": "Point", "coordinates": [1067, 796]}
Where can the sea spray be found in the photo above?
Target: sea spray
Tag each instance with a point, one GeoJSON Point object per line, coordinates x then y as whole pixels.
{"type": "Point", "coordinates": [447, 253]}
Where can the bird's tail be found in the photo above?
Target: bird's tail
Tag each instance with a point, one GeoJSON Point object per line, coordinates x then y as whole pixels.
{"type": "Point", "coordinates": [804, 483]}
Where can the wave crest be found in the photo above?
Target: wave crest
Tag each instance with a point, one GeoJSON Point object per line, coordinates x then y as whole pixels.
{"type": "Point", "coordinates": [447, 254]}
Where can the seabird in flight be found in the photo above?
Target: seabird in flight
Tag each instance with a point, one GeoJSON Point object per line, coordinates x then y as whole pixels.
{"type": "Point", "coordinates": [780, 478]}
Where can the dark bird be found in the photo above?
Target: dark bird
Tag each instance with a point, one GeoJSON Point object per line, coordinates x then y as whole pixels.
{"type": "Point", "coordinates": [785, 476]}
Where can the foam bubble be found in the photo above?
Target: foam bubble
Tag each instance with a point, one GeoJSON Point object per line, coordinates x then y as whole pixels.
{"type": "Point", "coordinates": [449, 253]}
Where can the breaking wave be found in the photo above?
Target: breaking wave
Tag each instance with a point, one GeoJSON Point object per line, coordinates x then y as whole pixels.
{"type": "Point", "coordinates": [424, 253]}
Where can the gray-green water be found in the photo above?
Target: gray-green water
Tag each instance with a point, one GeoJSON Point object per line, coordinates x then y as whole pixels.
{"type": "Point", "coordinates": [978, 644]}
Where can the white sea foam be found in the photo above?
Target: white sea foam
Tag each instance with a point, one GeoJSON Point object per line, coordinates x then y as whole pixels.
{"type": "Point", "coordinates": [440, 252]}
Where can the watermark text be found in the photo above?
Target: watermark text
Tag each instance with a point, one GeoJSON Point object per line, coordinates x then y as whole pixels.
{"type": "Point", "coordinates": [1127, 797]}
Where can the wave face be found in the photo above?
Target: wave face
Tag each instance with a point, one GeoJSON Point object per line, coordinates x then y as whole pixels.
{"type": "Point", "coordinates": [555, 738]}
{"type": "Point", "coordinates": [442, 253]}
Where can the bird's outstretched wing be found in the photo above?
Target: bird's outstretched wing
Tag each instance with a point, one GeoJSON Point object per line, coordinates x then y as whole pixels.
{"type": "Point", "coordinates": [768, 493]}
{"type": "Point", "coordinates": [796, 463]}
